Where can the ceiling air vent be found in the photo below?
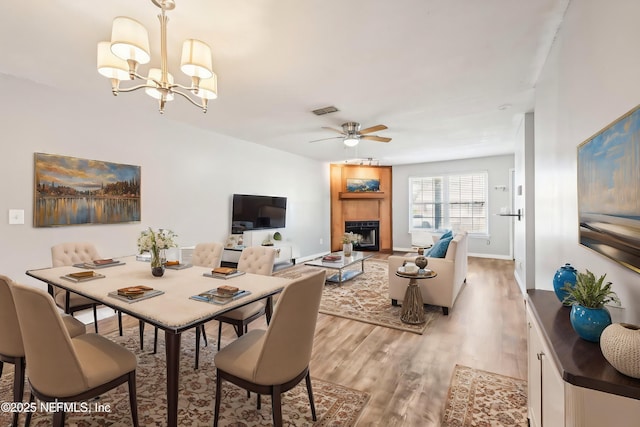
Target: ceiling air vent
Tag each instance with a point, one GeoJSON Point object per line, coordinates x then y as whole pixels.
{"type": "Point", "coordinates": [325, 110]}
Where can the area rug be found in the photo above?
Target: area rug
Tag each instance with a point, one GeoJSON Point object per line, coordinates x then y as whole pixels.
{"type": "Point", "coordinates": [335, 405]}
{"type": "Point", "coordinates": [481, 398]}
{"type": "Point", "coordinates": [364, 298]}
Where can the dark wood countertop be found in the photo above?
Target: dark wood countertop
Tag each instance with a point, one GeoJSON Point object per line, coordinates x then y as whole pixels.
{"type": "Point", "coordinates": [581, 362]}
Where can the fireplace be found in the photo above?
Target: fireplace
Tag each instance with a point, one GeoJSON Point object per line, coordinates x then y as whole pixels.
{"type": "Point", "coordinates": [369, 232]}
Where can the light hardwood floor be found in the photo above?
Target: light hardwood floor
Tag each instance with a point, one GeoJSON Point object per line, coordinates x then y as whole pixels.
{"type": "Point", "coordinates": [408, 375]}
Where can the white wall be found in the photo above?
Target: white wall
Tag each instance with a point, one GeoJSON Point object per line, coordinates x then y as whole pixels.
{"type": "Point", "coordinates": [498, 243]}
{"type": "Point", "coordinates": [589, 80]}
{"type": "Point", "coordinates": [188, 175]}
{"type": "Point", "coordinates": [524, 200]}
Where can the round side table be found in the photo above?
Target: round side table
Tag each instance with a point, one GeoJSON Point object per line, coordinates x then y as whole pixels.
{"type": "Point", "coordinates": [412, 305]}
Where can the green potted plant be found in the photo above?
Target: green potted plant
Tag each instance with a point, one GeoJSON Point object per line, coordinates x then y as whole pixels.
{"type": "Point", "coordinates": [587, 299]}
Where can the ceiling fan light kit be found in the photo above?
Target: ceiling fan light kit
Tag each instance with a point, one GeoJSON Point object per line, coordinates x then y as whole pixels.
{"type": "Point", "coordinates": [351, 134]}
{"type": "Point", "coordinates": [119, 58]}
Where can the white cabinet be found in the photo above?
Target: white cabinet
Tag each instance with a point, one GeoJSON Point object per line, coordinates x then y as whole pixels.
{"type": "Point", "coordinates": [570, 383]}
{"type": "Point", "coordinates": [545, 385]}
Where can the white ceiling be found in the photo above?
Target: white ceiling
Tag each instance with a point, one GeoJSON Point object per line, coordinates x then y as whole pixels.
{"type": "Point", "coordinates": [438, 73]}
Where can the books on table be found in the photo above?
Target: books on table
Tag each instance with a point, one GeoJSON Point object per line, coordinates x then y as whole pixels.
{"type": "Point", "coordinates": [82, 276]}
{"type": "Point", "coordinates": [220, 295]}
{"type": "Point", "coordinates": [135, 293]}
{"type": "Point", "coordinates": [99, 263]}
{"type": "Point", "coordinates": [223, 273]}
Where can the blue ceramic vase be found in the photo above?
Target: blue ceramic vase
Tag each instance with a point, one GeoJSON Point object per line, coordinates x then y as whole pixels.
{"type": "Point", "coordinates": [589, 322]}
{"type": "Point", "coordinates": [565, 274]}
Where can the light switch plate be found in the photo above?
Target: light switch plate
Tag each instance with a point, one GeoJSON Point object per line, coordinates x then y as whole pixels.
{"type": "Point", "coordinates": [16, 216]}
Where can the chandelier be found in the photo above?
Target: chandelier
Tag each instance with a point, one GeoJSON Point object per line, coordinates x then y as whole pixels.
{"type": "Point", "coordinates": [119, 58]}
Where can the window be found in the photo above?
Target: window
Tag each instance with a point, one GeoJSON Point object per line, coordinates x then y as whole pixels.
{"type": "Point", "coordinates": [457, 202]}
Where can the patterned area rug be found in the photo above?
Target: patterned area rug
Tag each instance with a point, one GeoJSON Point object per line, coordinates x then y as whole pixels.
{"type": "Point", "coordinates": [335, 405]}
{"type": "Point", "coordinates": [481, 398]}
{"type": "Point", "coordinates": [364, 298]}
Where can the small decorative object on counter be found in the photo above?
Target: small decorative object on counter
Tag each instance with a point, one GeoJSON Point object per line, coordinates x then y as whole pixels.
{"type": "Point", "coordinates": [589, 316]}
{"type": "Point", "coordinates": [565, 274]}
{"type": "Point", "coordinates": [620, 345]}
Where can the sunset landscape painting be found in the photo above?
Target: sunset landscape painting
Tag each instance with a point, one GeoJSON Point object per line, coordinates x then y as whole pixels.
{"type": "Point", "coordinates": [73, 191]}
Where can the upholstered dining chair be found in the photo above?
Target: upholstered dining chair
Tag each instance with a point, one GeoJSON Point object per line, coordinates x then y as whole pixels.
{"type": "Point", "coordinates": [11, 346]}
{"type": "Point", "coordinates": [68, 254]}
{"type": "Point", "coordinates": [275, 360]}
{"type": "Point", "coordinates": [66, 369]}
{"type": "Point", "coordinates": [204, 255]}
{"type": "Point", "coordinates": [256, 260]}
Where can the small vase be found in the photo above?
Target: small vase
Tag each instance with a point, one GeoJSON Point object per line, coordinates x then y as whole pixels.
{"type": "Point", "coordinates": [347, 248]}
{"type": "Point", "coordinates": [589, 322]}
{"type": "Point", "coordinates": [565, 274]}
{"type": "Point", "coordinates": [158, 259]}
{"type": "Point", "coordinates": [620, 345]}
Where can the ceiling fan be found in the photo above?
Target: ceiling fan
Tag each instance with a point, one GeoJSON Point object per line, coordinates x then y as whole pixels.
{"type": "Point", "coordinates": [351, 134]}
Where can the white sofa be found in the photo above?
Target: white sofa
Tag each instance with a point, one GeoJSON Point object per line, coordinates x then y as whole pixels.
{"type": "Point", "coordinates": [441, 290]}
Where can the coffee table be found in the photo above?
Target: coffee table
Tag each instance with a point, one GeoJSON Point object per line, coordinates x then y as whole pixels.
{"type": "Point", "coordinates": [341, 264]}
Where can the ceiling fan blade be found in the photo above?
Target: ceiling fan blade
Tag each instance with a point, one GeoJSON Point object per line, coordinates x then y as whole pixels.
{"type": "Point", "coordinates": [335, 130]}
{"type": "Point", "coordinates": [324, 139]}
{"type": "Point", "coordinates": [373, 129]}
{"type": "Point", "coordinates": [375, 138]}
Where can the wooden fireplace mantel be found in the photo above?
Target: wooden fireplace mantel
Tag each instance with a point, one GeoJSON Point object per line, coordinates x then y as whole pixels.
{"type": "Point", "coordinates": [361, 206]}
{"type": "Point", "coordinates": [361, 195]}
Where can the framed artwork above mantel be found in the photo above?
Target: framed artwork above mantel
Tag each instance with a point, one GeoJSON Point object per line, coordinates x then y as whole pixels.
{"type": "Point", "coordinates": [73, 191]}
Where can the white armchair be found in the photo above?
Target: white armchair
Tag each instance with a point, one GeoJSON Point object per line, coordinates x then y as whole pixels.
{"type": "Point", "coordinates": [441, 290]}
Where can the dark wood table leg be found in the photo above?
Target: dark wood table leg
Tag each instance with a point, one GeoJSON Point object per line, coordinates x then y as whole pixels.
{"type": "Point", "coordinates": [172, 342]}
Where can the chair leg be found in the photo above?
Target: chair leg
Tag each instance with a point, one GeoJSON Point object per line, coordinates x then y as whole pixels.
{"type": "Point", "coordinates": [216, 411]}
{"type": "Point", "coordinates": [133, 401]}
{"type": "Point", "coordinates": [95, 322]}
{"type": "Point", "coordinates": [58, 419]}
{"type": "Point", "coordinates": [276, 406]}
{"type": "Point", "coordinates": [120, 322]}
{"type": "Point", "coordinates": [204, 335]}
{"type": "Point", "coordinates": [219, 333]}
{"type": "Point", "coordinates": [27, 421]}
{"type": "Point", "coordinates": [310, 392]}
{"type": "Point", "coordinates": [445, 311]}
{"type": "Point", "coordinates": [18, 386]}
{"type": "Point", "coordinates": [141, 327]}
{"type": "Point", "coordinates": [1, 366]}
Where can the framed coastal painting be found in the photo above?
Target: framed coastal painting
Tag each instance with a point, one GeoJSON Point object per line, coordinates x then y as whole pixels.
{"type": "Point", "coordinates": [609, 191]}
{"type": "Point", "coordinates": [73, 191]}
{"type": "Point", "coordinates": [357, 185]}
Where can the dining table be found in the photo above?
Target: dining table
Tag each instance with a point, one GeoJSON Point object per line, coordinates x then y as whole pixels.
{"type": "Point", "coordinates": [171, 309]}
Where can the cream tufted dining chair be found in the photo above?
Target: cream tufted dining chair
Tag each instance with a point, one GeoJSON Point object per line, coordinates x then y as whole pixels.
{"type": "Point", "coordinates": [66, 369]}
{"type": "Point", "coordinates": [256, 260]}
{"type": "Point", "coordinates": [71, 253]}
{"type": "Point", "coordinates": [275, 360]}
{"type": "Point", "coordinates": [11, 346]}
{"type": "Point", "coordinates": [204, 255]}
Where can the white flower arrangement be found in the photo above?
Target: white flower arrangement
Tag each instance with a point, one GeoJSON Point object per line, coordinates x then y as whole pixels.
{"type": "Point", "coordinates": [351, 237]}
{"type": "Point", "coordinates": [154, 241]}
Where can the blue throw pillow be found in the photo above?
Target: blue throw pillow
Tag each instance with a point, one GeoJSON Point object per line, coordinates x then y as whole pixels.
{"type": "Point", "coordinates": [439, 249]}
{"type": "Point", "coordinates": [448, 233]}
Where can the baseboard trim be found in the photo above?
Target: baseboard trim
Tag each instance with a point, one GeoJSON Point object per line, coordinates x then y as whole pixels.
{"type": "Point", "coordinates": [494, 256]}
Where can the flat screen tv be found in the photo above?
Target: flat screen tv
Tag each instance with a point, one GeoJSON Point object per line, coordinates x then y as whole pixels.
{"type": "Point", "coordinates": [251, 212]}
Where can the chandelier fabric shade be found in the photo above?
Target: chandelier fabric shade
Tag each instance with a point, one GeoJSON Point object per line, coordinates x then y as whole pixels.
{"type": "Point", "coordinates": [130, 40]}
{"type": "Point", "coordinates": [110, 65]}
{"type": "Point", "coordinates": [196, 59]}
{"type": "Point", "coordinates": [119, 58]}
